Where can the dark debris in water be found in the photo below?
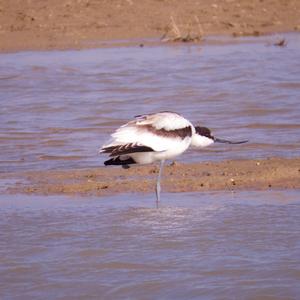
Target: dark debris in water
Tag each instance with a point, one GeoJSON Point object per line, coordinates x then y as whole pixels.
{"type": "Point", "coordinates": [281, 43]}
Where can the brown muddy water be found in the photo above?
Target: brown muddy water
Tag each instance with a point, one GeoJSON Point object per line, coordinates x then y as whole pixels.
{"type": "Point", "coordinates": [58, 107]}
{"type": "Point", "coordinates": [242, 245]}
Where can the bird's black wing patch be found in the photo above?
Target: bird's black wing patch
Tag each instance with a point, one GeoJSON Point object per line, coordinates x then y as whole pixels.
{"type": "Point", "coordinates": [172, 133]}
{"type": "Point", "coordinates": [118, 161]}
{"type": "Point", "coordinates": [125, 149]}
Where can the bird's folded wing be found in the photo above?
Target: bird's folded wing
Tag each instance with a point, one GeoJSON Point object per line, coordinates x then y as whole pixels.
{"type": "Point", "coordinates": [159, 132]}
{"type": "Point", "coordinates": [116, 150]}
{"type": "Point", "coordinates": [138, 140]}
{"type": "Point", "coordinates": [163, 120]}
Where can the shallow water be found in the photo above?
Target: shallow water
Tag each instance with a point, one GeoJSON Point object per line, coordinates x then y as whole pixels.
{"type": "Point", "coordinates": [58, 107]}
{"type": "Point", "coordinates": [194, 246]}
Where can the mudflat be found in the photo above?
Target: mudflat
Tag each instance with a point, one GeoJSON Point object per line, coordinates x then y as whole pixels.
{"type": "Point", "coordinates": [272, 173]}
{"type": "Point", "coordinates": [65, 24]}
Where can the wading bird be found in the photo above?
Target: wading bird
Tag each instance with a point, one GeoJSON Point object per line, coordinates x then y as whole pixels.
{"type": "Point", "coordinates": [156, 137]}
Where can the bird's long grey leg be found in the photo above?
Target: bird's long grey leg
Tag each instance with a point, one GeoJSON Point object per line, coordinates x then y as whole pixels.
{"type": "Point", "coordinates": [158, 182]}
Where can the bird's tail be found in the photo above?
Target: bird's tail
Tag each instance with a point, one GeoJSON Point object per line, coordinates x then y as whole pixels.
{"type": "Point", "coordinates": [120, 160]}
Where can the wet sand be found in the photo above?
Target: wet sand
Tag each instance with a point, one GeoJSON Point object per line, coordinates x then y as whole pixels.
{"type": "Point", "coordinates": [64, 24]}
{"type": "Point", "coordinates": [272, 173]}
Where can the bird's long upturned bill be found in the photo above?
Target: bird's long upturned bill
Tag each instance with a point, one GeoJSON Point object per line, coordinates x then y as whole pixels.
{"type": "Point", "coordinates": [217, 140]}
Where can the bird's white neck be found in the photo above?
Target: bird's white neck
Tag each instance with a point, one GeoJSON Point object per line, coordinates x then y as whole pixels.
{"type": "Point", "coordinates": [200, 141]}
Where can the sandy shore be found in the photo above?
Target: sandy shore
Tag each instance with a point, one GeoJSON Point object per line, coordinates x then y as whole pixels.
{"type": "Point", "coordinates": [61, 24]}
{"type": "Point", "coordinates": [273, 173]}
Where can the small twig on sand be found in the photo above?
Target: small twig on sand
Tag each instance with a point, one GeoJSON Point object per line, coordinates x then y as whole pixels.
{"type": "Point", "coordinates": [175, 33]}
{"type": "Point", "coordinates": [175, 28]}
{"type": "Point", "coordinates": [200, 28]}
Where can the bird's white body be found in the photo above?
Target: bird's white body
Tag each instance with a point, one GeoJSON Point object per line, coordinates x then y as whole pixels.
{"type": "Point", "coordinates": [160, 132]}
{"type": "Point", "coordinates": [150, 157]}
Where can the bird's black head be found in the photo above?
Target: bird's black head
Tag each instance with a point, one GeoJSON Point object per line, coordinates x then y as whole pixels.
{"type": "Point", "coordinates": [204, 131]}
